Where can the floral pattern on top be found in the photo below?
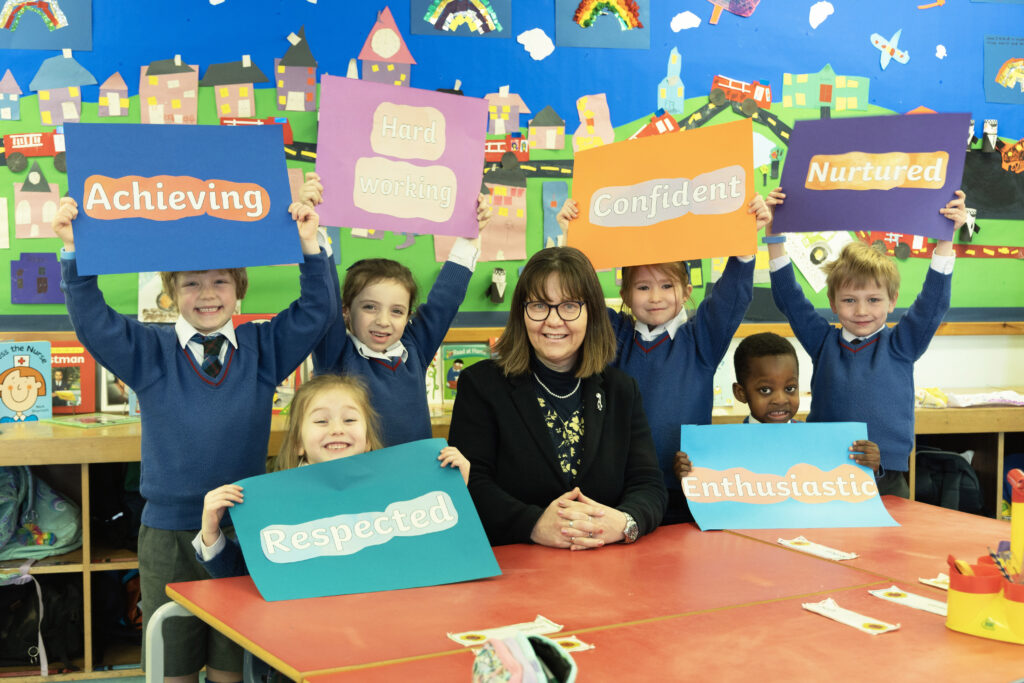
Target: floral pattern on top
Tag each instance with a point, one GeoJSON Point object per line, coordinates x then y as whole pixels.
{"type": "Point", "coordinates": [567, 437]}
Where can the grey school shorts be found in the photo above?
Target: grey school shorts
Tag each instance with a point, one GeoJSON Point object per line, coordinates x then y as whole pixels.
{"type": "Point", "coordinates": [189, 644]}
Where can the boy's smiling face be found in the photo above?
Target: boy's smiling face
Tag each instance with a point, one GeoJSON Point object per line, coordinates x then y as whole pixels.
{"type": "Point", "coordinates": [771, 388]}
{"type": "Point", "coordinates": [206, 299]}
{"type": "Point", "coordinates": [862, 308]}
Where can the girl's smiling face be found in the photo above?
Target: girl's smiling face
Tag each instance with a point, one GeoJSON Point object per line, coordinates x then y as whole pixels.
{"type": "Point", "coordinates": [333, 427]}
{"type": "Point", "coordinates": [654, 297]}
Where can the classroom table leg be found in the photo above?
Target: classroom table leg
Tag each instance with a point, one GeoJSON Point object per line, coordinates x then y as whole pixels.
{"type": "Point", "coordinates": [155, 639]}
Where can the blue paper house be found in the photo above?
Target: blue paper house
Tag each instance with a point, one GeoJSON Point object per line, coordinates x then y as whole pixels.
{"type": "Point", "coordinates": [671, 92]}
{"type": "Point", "coordinates": [59, 83]}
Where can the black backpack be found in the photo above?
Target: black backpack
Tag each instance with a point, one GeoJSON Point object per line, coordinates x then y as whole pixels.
{"type": "Point", "coordinates": [62, 632]}
{"type": "Point", "coordinates": [946, 479]}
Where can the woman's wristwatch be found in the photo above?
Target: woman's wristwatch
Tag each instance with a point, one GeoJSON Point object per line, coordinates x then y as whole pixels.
{"type": "Point", "coordinates": [632, 531]}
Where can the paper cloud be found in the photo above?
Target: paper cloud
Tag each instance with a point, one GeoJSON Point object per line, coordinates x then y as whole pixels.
{"type": "Point", "coordinates": [820, 11]}
{"type": "Point", "coordinates": [536, 43]}
{"type": "Point", "coordinates": [685, 20]}
{"type": "Point", "coordinates": [940, 51]}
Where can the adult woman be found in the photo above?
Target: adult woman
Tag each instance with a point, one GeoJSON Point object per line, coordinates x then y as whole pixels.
{"type": "Point", "coordinates": [560, 448]}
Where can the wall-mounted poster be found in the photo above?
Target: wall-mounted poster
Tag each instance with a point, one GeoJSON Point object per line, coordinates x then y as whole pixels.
{"type": "Point", "coordinates": [46, 25]}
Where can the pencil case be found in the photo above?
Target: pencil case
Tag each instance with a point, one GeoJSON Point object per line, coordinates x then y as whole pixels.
{"type": "Point", "coordinates": [985, 604]}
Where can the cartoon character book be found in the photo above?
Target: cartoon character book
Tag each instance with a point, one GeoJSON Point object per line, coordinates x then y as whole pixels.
{"type": "Point", "coordinates": [25, 381]}
{"type": "Point", "coordinates": [457, 357]}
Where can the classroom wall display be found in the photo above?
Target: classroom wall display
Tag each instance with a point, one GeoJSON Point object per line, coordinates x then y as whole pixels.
{"type": "Point", "coordinates": [35, 279]}
{"type": "Point", "coordinates": [25, 381]}
{"type": "Point", "coordinates": [179, 197]}
{"type": "Point", "coordinates": [405, 160]}
{"type": "Point", "coordinates": [1004, 69]}
{"type": "Point", "coordinates": [46, 25]}
{"type": "Point", "coordinates": [784, 476]}
{"type": "Point", "coordinates": [155, 305]}
{"type": "Point", "coordinates": [607, 23]}
{"type": "Point", "coordinates": [665, 198]}
{"type": "Point", "coordinates": [873, 173]}
{"type": "Point", "coordinates": [476, 18]}
{"type": "Point", "coordinates": [383, 520]}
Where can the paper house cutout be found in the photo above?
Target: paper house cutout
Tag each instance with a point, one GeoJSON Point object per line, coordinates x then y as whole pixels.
{"type": "Point", "coordinates": [35, 279]}
{"type": "Point", "coordinates": [385, 56]}
{"type": "Point", "coordinates": [825, 91]}
{"type": "Point", "coordinates": [671, 91]}
{"type": "Point", "coordinates": [49, 10]}
{"type": "Point", "coordinates": [595, 127]}
{"type": "Point", "coordinates": [35, 205]}
{"type": "Point", "coordinates": [59, 84]}
{"type": "Point", "coordinates": [232, 84]}
{"type": "Point", "coordinates": [113, 99]}
{"type": "Point", "coordinates": [295, 76]}
{"type": "Point", "coordinates": [10, 98]}
{"type": "Point", "coordinates": [505, 236]}
{"type": "Point", "coordinates": [503, 110]}
{"type": "Point", "coordinates": [167, 91]}
{"type": "Point", "coordinates": [547, 130]}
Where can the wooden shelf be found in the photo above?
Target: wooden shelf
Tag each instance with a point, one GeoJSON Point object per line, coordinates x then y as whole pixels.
{"type": "Point", "coordinates": [66, 563]}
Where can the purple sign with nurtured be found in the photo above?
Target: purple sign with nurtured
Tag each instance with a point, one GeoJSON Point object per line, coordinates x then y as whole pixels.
{"type": "Point", "coordinates": [889, 173]}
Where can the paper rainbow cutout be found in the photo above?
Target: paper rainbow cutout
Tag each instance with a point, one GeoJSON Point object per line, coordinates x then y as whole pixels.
{"type": "Point", "coordinates": [626, 11]}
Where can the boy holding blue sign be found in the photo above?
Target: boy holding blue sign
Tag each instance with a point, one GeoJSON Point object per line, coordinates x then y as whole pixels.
{"type": "Point", "coordinates": [208, 388]}
{"type": "Point", "coordinates": [864, 370]}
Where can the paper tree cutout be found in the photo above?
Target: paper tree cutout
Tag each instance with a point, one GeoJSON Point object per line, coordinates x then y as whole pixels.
{"type": "Point", "coordinates": [385, 56]}
{"type": "Point", "coordinates": [35, 205]}
{"type": "Point", "coordinates": [113, 96]}
{"type": "Point", "coordinates": [167, 91]}
{"type": "Point", "coordinates": [233, 85]}
{"type": "Point", "coordinates": [59, 83]}
{"type": "Point", "coordinates": [626, 11]}
{"type": "Point", "coordinates": [671, 91]}
{"type": "Point", "coordinates": [889, 49]}
{"type": "Point", "coordinates": [49, 10]}
{"type": "Point", "coordinates": [595, 127]}
{"type": "Point", "coordinates": [295, 75]}
{"type": "Point", "coordinates": [10, 98]}
{"type": "Point", "coordinates": [503, 110]}
{"type": "Point", "coordinates": [450, 15]}
{"type": "Point", "coordinates": [547, 130]}
{"type": "Point", "coordinates": [742, 8]}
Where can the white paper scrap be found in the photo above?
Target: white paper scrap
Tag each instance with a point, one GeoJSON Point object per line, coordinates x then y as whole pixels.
{"type": "Point", "coordinates": [829, 608]}
{"type": "Point", "coordinates": [803, 545]}
{"type": "Point", "coordinates": [897, 594]}
{"type": "Point", "coordinates": [573, 644]}
{"type": "Point", "coordinates": [541, 625]}
{"type": "Point", "coordinates": [940, 581]}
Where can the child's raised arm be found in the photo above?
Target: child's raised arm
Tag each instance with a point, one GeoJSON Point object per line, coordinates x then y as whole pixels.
{"type": "Point", "coordinates": [775, 249]}
{"type": "Point", "coordinates": [570, 211]}
{"type": "Point", "coordinates": [214, 504]}
{"type": "Point", "coordinates": [307, 221]}
{"type": "Point", "coordinates": [67, 211]}
{"type": "Point", "coordinates": [956, 211]}
{"type": "Point", "coordinates": [312, 191]}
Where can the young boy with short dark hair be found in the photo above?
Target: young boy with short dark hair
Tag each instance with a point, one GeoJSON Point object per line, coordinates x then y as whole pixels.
{"type": "Point", "coordinates": [768, 380]}
{"type": "Point", "coordinates": [864, 370]}
{"type": "Point", "coordinates": [206, 389]}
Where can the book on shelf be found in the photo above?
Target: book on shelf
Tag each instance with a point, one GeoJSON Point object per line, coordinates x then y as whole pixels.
{"type": "Point", "coordinates": [73, 375]}
{"type": "Point", "coordinates": [25, 381]}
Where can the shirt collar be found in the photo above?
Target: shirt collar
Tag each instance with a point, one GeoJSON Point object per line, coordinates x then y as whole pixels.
{"type": "Point", "coordinates": [396, 349]}
{"type": "Point", "coordinates": [754, 421]}
{"type": "Point", "coordinates": [184, 330]}
{"type": "Point", "coordinates": [647, 334]}
{"type": "Point", "coordinates": [849, 337]}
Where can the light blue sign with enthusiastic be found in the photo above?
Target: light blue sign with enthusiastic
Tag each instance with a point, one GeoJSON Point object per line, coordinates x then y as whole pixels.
{"type": "Point", "coordinates": [382, 520]}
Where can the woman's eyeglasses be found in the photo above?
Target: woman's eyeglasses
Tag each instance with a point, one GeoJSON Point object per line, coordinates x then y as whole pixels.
{"type": "Point", "coordinates": [538, 311]}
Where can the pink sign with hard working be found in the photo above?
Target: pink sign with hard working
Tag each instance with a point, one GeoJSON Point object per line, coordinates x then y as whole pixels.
{"type": "Point", "coordinates": [399, 159]}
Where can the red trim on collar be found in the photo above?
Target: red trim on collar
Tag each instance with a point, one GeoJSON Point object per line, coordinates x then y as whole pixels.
{"type": "Point", "coordinates": [388, 365]}
{"type": "Point", "coordinates": [859, 347]}
{"type": "Point", "coordinates": [636, 340]}
{"type": "Point", "coordinates": [202, 374]}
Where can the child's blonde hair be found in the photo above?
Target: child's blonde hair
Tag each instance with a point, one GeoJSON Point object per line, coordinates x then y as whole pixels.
{"type": "Point", "coordinates": [169, 280]}
{"type": "Point", "coordinates": [858, 265]}
{"type": "Point", "coordinates": [288, 457]}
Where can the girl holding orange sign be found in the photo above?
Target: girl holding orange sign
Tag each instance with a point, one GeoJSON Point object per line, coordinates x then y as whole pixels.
{"type": "Point", "coordinates": [672, 352]}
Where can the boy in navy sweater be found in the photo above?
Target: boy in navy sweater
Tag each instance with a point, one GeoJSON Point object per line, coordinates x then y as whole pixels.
{"type": "Point", "coordinates": [864, 370]}
{"type": "Point", "coordinates": [206, 388]}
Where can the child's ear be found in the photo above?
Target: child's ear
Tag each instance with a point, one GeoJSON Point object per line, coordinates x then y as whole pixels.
{"type": "Point", "coordinates": [345, 314]}
{"type": "Point", "coordinates": [892, 302]}
{"type": "Point", "coordinates": [687, 291]}
{"type": "Point", "coordinates": [738, 392]}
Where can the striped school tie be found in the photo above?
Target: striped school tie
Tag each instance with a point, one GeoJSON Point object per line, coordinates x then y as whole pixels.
{"type": "Point", "coordinates": [211, 351]}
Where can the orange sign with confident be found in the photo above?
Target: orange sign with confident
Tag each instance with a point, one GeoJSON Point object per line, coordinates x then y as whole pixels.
{"type": "Point", "coordinates": [671, 197]}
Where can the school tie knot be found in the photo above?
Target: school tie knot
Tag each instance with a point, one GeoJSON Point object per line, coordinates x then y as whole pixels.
{"type": "Point", "coordinates": [211, 351]}
{"type": "Point", "coordinates": [856, 341]}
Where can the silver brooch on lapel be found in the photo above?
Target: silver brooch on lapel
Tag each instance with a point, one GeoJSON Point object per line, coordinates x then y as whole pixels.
{"type": "Point", "coordinates": [598, 394]}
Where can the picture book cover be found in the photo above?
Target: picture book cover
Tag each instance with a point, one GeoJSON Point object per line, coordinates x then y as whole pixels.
{"type": "Point", "coordinates": [457, 357]}
{"type": "Point", "coordinates": [435, 385]}
{"type": "Point", "coordinates": [113, 392]}
{"type": "Point", "coordinates": [73, 378]}
{"type": "Point", "coordinates": [24, 389]}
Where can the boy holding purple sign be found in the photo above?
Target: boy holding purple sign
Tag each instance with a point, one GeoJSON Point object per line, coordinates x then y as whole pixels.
{"type": "Point", "coordinates": [864, 370]}
{"type": "Point", "coordinates": [207, 387]}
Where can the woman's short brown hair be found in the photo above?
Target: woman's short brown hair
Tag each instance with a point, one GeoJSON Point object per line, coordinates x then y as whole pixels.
{"type": "Point", "coordinates": [288, 457]}
{"type": "Point", "coordinates": [362, 274]}
{"type": "Point", "coordinates": [169, 280]}
{"type": "Point", "coordinates": [578, 281]}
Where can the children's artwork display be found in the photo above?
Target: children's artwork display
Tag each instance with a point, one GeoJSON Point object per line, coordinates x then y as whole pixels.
{"type": "Point", "coordinates": [873, 173]}
{"type": "Point", "coordinates": [476, 18]}
{"type": "Point", "coordinates": [46, 24]}
{"type": "Point", "coordinates": [24, 385]}
{"type": "Point", "coordinates": [155, 305]}
{"type": "Point", "coordinates": [779, 476]}
{"type": "Point", "coordinates": [667, 197]}
{"type": "Point", "coordinates": [173, 189]}
{"type": "Point", "coordinates": [73, 378]}
{"type": "Point", "coordinates": [35, 279]}
{"type": "Point", "coordinates": [608, 23]}
{"type": "Point", "coordinates": [377, 521]}
{"type": "Point", "coordinates": [455, 359]}
{"type": "Point", "coordinates": [1004, 69]}
{"type": "Point", "coordinates": [401, 159]}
